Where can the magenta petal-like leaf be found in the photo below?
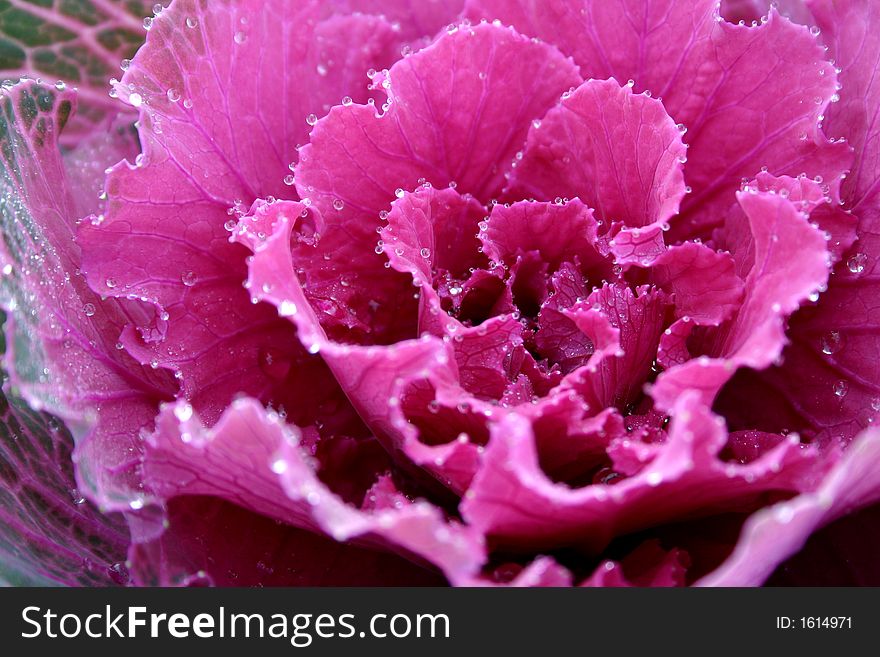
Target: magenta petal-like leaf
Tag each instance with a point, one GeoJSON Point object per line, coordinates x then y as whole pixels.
{"type": "Point", "coordinates": [457, 112]}
{"type": "Point", "coordinates": [647, 565]}
{"type": "Point", "coordinates": [561, 233]}
{"type": "Point", "coordinates": [201, 80]}
{"type": "Point", "coordinates": [618, 152]}
{"type": "Point", "coordinates": [638, 318]}
{"type": "Point", "coordinates": [379, 380]}
{"type": "Point", "coordinates": [717, 80]}
{"type": "Point", "coordinates": [515, 504]}
{"type": "Point", "coordinates": [254, 460]}
{"type": "Point", "coordinates": [413, 18]}
{"type": "Point", "coordinates": [786, 260]}
{"type": "Point", "coordinates": [651, 43]}
{"type": "Point", "coordinates": [773, 534]}
{"type": "Point", "coordinates": [827, 387]}
{"type": "Point", "coordinates": [468, 292]}
{"type": "Point", "coordinates": [702, 281]}
{"type": "Point", "coordinates": [195, 550]}
{"type": "Point", "coordinates": [173, 204]}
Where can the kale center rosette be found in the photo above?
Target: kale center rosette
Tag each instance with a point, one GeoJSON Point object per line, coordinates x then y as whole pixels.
{"type": "Point", "coordinates": [494, 313]}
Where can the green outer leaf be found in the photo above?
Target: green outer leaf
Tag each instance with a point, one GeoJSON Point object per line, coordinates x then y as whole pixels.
{"type": "Point", "coordinates": [81, 42]}
{"type": "Point", "coordinates": [30, 118]}
{"type": "Point", "coordinates": [49, 535]}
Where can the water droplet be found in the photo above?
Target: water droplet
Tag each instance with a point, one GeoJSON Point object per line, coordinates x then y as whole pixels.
{"type": "Point", "coordinates": [311, 119]}
{"type": "Point", "coordinates": [148, 23]}
{"type": "Point", "coordinates": [110, 282]}
{"type": "Point", "coordinates": [119, 574]}
{"type": "Point", "coordinates": [399, 192]}
{"type": "Point", "coordinates": [188, 278]}
{"type": "Point", "coordinates": [338, 204]}
{"type": "Point", "coordinates": [289, 180]}
{"type": "Point", "coordinates": [183, 412]}
{"type": "Point", "coordinates": [347, 101]}
{"type": "Point", "coordinates": [831, 343]}
{"type": "Point", "coordinates": [240, 37]}
{"type": "Point", "coordinates": [124, 64]}
{"type": "Point", "coordinates": [89, 309]}
{"type": "Point", "coordinates": [136, 100]}
{"type": "Point", "coordinates": [77, 497]}
{"type": "Point", "coordinates": [287, 309]}
{"type": "Point", "coordinates": [191, 22]}
{"type": "Point", "coordinates": [188, 103]}
{"type": "Point", "coordinates": [322, 70]}
{"type": "Point", "coordinates": [841, 388]}
{"type": "Point", "coordinates": [425, 253]}
{"type": "Point", "coordinates": [173, 95]}
{"type": "Point", "coordinates": [136, 504]}
{"type": "Point", "coordinates": [785, 514]}
{"type": "Point", "coordinates": [856, 263]}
